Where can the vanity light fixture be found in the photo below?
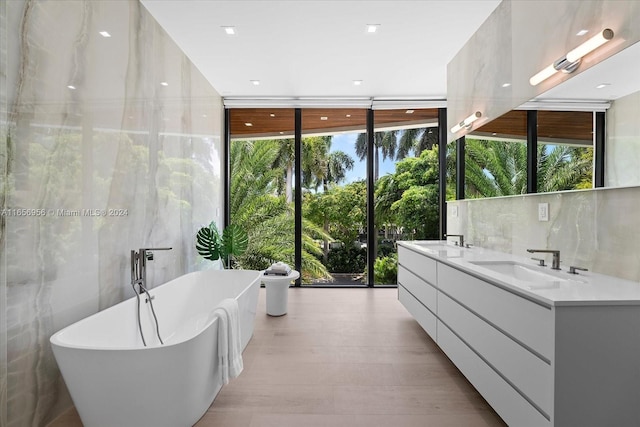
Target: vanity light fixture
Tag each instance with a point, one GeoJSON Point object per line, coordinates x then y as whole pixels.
{"type": "Point", "coordinates": [570, 62]}
{"type": "Point", "coordinates": [466, 123]}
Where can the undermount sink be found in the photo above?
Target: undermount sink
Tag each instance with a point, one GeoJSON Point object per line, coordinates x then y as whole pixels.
{"type": "Point", "coordinates": [444, 250]}
{"type": "Point", "coordinates": [535, 278]}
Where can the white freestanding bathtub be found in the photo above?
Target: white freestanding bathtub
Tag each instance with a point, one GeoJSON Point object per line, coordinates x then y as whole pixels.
{"type": "Point", "coordinates": [115, 381]}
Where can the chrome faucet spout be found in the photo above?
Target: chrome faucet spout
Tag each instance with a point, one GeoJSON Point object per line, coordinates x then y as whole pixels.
{"type": "Point", "coordinates": [459, 236]}
{"type": "Point", "coordinates": [555, 263]}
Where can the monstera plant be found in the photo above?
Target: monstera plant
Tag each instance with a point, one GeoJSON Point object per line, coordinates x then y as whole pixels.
{"type": "Point", "coordinates": [213, 245]}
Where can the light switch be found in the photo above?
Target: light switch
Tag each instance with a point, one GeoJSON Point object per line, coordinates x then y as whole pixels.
{"type": "Point", "coordinates": [543, 211]}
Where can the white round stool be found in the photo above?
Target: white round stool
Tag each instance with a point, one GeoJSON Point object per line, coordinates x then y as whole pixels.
{"type": "Point", "coordinates": [277, 288]}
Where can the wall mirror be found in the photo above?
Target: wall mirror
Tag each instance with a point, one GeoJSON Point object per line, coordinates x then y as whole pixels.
{"type": "Point", "coordinates": [496, 151]}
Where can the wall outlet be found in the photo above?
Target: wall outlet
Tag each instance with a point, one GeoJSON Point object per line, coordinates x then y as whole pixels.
{"type": "Point", "coordinates": [454, 211]}
{"type": "Point", "coordinates": [543, 211]}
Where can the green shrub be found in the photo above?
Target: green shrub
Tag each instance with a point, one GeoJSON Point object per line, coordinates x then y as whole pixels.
{"type": "Point", "coordinates": [347, 259]}
{"type": "Point", "coordinates": [386, 270]}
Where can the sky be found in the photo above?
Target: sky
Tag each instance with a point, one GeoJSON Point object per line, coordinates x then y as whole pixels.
{"type": "Point", "coordinates": [347, 142]}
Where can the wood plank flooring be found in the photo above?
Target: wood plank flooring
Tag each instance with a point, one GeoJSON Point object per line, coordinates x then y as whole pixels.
{"type": "Point", "coordinates": [342, 358]}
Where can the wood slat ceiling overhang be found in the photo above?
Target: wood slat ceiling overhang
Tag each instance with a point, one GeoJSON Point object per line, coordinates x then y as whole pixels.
{"type": "Point", "coordinates": [569, 127]}
{"type": "Point", "coordinates": [279, 122]}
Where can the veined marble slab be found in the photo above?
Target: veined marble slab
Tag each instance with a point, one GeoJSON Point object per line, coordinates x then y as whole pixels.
{"type": "Point", "coordinates": [98, 157]}
{"type": "Point", "coordinates": [595, 229]}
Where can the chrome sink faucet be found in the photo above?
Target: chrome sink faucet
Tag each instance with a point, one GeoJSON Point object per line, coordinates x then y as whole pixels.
{"type": "Point", "coordinates": [555, 263]}
{"type": "Point", "coordinates": [459, 236]}
{"type": "Point", "coordinates": [139, 266]}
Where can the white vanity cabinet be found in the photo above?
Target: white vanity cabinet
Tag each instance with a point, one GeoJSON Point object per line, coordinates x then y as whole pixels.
{"type": "Point", "coordinates": [536, 363]}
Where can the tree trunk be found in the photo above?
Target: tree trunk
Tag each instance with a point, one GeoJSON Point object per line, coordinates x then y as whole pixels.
{"type": "Point", "coordinates": [325, 255]}
{"type": "Point", "coordinates": [289, 186]}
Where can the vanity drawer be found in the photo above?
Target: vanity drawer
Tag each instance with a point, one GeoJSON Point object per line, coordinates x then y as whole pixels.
{"type": "Point", "coordinates": [421, 265]}
{"type": "Point", "coordinates": [423, 316]}
{"type": "Point", "coordinates": [523, 320]}
{"type": "Point", "coordinates": [421, 290]}
{"type": "Point", "coordinates": [526, 371]}
{"type": "Point", "coordinates": [508, 403]}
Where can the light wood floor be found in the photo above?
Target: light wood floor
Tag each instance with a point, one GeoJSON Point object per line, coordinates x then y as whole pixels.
{"type": "Point", "coordinates": [343, 358]}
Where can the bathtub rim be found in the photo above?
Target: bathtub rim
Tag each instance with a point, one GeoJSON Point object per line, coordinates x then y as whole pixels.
{"type": "Point", "coordinates": [56, 341]}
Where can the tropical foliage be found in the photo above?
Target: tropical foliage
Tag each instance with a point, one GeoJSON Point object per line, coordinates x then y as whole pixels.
{"type": "Point", "coordinates": [262, 210]}
{"type": "Point", "coordinates": [498, 168]}
{"type": "Point", "coordinates": [406, 201]}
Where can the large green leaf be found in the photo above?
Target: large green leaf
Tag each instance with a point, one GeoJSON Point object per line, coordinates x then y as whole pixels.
{"type": "Point", "coordinates": [208, 242]}
{"type": "Point", "coordinates": [235, 240]}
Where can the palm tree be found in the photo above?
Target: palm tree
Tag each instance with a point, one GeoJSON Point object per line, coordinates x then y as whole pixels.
{"type": "Point", "coordinates": [285, 160]}
{"type": "Point", "coordinates": [497, 168]}
{"type": "Point", "coordinates": [257, 206]}
{"type": "Point", "coordinates": [410, 141]}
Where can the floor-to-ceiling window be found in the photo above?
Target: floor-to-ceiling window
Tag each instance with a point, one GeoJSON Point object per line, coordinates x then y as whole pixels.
{"type": "Point", "coordinates": [261, 183]}
{"type": "Point", "coordinates": [406, 184]}
{"type": "Point", "coordinates": [322, 171]}
{"type": "Point", "coordinates": [334, 202]}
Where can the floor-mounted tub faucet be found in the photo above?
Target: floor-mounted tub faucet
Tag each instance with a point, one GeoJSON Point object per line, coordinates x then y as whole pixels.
{"type": "Point", "coordinates": [139, 266]}
{"type": "Point", "coordinates": [139, 277]}
{"type": "Point", "coordinates": [555, 263]}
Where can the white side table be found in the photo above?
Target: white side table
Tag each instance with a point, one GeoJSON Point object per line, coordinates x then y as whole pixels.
{"type": "Point", "coordinates": [277, 288]}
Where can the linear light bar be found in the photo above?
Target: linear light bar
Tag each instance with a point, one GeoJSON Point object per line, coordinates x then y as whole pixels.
{"type": "Point", "coordinates": [570, 62]}
{"type": "Point", "coordinates": [466, 123]}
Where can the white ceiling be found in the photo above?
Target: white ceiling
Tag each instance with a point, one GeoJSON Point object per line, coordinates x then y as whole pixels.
{"type": "Point", "coordinates": [311, 48]}
{"type": "Point", "coordinates": [308, 48]}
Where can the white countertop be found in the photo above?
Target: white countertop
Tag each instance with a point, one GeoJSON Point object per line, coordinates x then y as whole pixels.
{"type": "Point", "coordinates": [585, 288]}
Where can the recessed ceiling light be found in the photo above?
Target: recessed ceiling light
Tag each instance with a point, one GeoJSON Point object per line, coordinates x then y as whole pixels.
{"type": "Point", "coordinates": [105, 34]}
{"type": "Point", "coordinates": [409, 111]}
{"type": "Point", "coordinates": [255, 82]}
{"type": "Point", "coordinates": [204, 115]}
{"type": "Point", "coordinates": [229, 30]}
{"type": "Point", "coordinates": [582, 32]}
{"type": "Point", "coordinates": [248, 124]}
{"type": "Point", "coordinates": [324, 118]}
{"type": "Point", "coordinates": [600, 86]}
{"type": "Point", "coordinates": [506, 84]}
{"type": "Point", "coordinates": [494, 134]}
{"type": "Point", "coordinates": [357, 82]}
{"type": "Point", "coordinates": [72, 87]}
{"type": "Point", "coordinates": [272, 115]}
{"type": "Point", "coordinates": [372, 28]}
{"type": "Point", "coordinates": [281, 133]}
{"type": "Point", "coordinates": [348, 115]}
{"type": "Point", "coordinates": [164, 84]}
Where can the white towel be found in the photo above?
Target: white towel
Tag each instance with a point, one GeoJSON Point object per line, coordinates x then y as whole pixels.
{"type": "Point", "coordinates": [229, 339]}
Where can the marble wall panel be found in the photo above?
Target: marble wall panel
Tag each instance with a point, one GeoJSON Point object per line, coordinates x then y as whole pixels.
{"type": "Point", "coordinates": [476, 75]}
{"type": "Point", "coordinates": [118, 162]}
{"type": "Point", "coordinates": [622, 151]}
{"type": "Point", "coordinates": [596, 229]}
